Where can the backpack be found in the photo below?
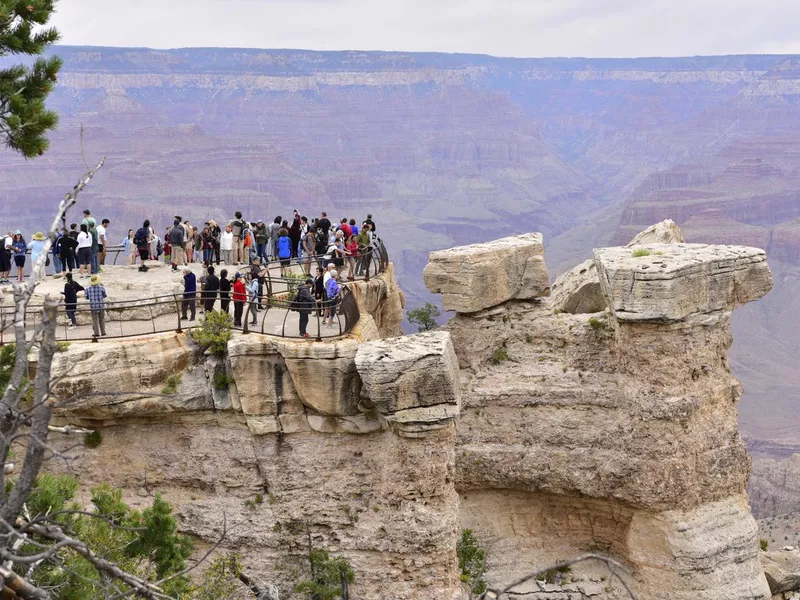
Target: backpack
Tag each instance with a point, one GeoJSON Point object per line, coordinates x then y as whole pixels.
{"type": "Point", "coordinates": [322, 245]}
{"type": "Point", "coordinates": [140, 237]}
{"type": "Point", "coordinates": [159, 248]}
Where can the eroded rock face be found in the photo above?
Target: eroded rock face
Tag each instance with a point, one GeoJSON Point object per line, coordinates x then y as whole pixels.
{"type": "Point", "coordinates": [578, 291]}
{"type": "Point", "coordinates": [671, 282]}
{"type": "Point", "coordinates": [412, 381]}
{"type": "Point", "coordinates": [782, 568]}
{"type": "Point", "coordinates": [775, 486]}
{"type": "Point", "coordinates": [476, 277]}
{"type": "Point", "coordinates": [615, 431]}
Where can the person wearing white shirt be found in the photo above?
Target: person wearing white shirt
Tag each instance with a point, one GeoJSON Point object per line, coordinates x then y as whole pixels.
{"type": "Point", "coordinates": [226, 245]}
{"type": "Point", "coordinates": [84, 251]}
{"type": "Point", "coordinates": [102, 241]}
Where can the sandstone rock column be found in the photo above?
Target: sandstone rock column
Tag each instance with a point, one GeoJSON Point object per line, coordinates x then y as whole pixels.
{"type": "Point", "coordinates": [614, 430]}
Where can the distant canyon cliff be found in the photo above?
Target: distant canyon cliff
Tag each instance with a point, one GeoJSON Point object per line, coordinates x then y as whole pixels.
{"type": "Point", "coordinates": [453, 149]}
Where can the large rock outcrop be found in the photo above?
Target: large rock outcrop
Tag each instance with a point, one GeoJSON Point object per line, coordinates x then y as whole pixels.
{"type": "Point", "coordinates": [472, 278]}
{"type": "Point", "coordinates": [285, 421]}
{"type": "Point", "coordinates": [615, 430]}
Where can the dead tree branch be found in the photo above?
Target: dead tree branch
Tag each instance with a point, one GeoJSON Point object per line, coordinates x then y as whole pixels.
{"type": "Point", "coordinates": [614, 567]}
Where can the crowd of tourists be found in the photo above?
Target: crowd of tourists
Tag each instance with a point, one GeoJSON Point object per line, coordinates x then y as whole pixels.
{"type": "Point", "coordinates": [326, 251]}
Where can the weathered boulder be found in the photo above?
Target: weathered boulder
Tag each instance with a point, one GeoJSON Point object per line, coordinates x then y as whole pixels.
{"type": "Point", "coordinates": [476, 277]}
{"type": "Point", "coordinates": [578, 291]}
{"type": "Point", "coordinates": [669, 282]}
{"type": "Point", "coordinates": [665, 232]}
{"type": "Point", "coordinates": [409, 372]}
{"type": "Point", "coordinates": [782, 569]}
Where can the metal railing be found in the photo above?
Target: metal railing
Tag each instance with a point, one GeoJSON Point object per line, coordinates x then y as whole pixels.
{"type": "Point", "coordinates": [275, 312]}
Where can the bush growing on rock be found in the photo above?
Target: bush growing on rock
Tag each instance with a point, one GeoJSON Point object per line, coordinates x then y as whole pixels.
{"type": "Point", "coordinates": [215, 333]}
{"type": "Point", "coordinates": [329, 576]}
{"type": "Point", "coordinates": [471, 562]}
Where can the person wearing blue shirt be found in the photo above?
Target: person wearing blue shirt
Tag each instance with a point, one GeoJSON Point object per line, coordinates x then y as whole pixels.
{"type": "Point", "coordinates": [284, 249]}
{"type": "Point", "coordinates": [19, 247]}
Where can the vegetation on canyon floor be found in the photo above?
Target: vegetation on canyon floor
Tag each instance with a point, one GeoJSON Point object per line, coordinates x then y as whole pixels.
{"type": "Point", "coordinates": [471, 562]}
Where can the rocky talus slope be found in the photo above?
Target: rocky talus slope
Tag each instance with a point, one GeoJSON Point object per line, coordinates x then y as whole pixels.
{"type": "Point", "coordinates": [593, 414]}
{"type": "Point", "coordinates": [603, 417]}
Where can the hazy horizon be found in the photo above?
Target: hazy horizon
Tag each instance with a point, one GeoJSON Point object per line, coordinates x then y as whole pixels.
{"type": "Point", "coordinates": [512, 28]}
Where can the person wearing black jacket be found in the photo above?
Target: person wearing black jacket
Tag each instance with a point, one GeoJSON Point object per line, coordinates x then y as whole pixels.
{"type": "Point", "coordinates": [319, 289]}
{"type": "Point", "coordinates": [69, 246]}
{"type": "Point", "coordinates": [211, 289]}
{"type": "Point", "coordinates": [224, 291]}
{"type": "Point", "coordinates": [304, 303]}
{"type": "Point", "coordinates": [71, 289]}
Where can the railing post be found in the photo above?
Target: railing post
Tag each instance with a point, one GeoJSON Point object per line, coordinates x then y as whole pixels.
{"type": "Point", "coordinates": [246, 317]}
{"type": "Point", "coordinates": [366, 266]}
{"type": "Point", "coordinates": [178, 313]}
{"type": "Point", "coordinates": [319, 325]}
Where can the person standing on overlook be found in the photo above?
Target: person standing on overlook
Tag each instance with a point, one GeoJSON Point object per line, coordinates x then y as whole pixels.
{"type": "Point", "coordinates": [19, 247]}
{"type": "Point", "coordinates": [84, 251]}
{"type": "Point", "coordinates": [304, 304]}
{"type": "Point", "coordinates": [96, 295]}
{"type": "Point", "coordinates": [237, 226]}
{"type": "Point", "coordinates": [226, 245]}
{"type": "Point", "coordinates": [69, 250]}
{"type": "Point", "coordinates": [284, 249]}
{"type": "Point", "coordinates": [36, 246]}
{"type": "Point", "coordinates": [71, 289]}
{"type": "Point", "coordinates": [5, 258]}
{"type": "Point", "coordinates": [295, 232]}
{"type": "Point", "coordinates": [102, 233]}
{"type": "Point", "coordinates": [211, 289]}
{"type": "Point", "coordinates": [141, 239]}
{"type": "Point", "coordinates": [239, 298]}
{"type": "Point", "coordinates": [224, 292]}
{"type": "Point", "coordinates": [261, 234]}
{"type": "Point", "coordinates": [274, 228]}
{"type": "Point", "coordinates": [189, 294]}
{"type": "Point", "coordinates": [176, 240]}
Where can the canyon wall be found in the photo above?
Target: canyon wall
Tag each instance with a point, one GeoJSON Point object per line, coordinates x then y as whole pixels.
{"type": "Point", "coordinates": [613, 430]}
{"type": "Point", "coordinates": [596, 413]}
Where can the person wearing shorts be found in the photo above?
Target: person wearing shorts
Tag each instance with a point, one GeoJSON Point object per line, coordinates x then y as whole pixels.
{"type": "Point", "coordinates": [84, 251]}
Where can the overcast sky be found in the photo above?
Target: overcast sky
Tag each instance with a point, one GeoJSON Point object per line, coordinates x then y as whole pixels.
{"type": "Point", "coordinates": [500, 27]}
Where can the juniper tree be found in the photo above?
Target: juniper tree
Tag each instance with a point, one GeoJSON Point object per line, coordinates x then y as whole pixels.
{"type": "Point", "coordinates": [24, 119]}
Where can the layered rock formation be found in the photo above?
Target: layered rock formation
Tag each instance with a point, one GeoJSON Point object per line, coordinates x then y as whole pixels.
{"type": "Point", "coordinates": [286, 441]}
{"type": "Point", "coordinates": [547, 429]}
{"type": "Point", "coordinates": [615, 431]}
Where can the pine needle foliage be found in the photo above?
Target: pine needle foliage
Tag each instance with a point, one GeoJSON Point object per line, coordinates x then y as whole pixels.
{"type": "Point", "coordinates": [471, 562]}
{"type": "Point", "coordinates": [327, 576]}
{"type": "Point", "coordinates": [144, 543]}
{"type": "Point", "coordinates": [24, 118]}
{"type": "Point", "coordinates": [215, 332]}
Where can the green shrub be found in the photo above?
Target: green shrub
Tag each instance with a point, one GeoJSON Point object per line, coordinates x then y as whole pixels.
{"type": "Point", "coordinates": [328, 573]}
{"type": "Point", "coordinates": [62, 346]}
{"type": "Point", "coordinates": [499, 355]}
{"type": "Point", "coordinates": [471, 562]}
{"type": "Point", "coordinates": [171, 384]}
{"type": "Point", "coordinates": [424, 317]}
{"type": "Point", "coordinates": [214, 333]}
{"type": "Point", "coordinates": [292, 281]}
{"type": "Point", "coordinates": [764, 544]}
{"type": "Point", "coordinates": [93, 439]}
{"type": "Point", "coordinates": [597, 324]}
{"type": "Point", "coordinates": [553, 576]}
{"type": "Point", "coordinates": [640, 252]}
{"type": "Point", "coordinates": [222, 380]}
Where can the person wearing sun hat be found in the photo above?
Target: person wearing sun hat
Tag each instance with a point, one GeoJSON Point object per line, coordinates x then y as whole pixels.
{"type": "Point", "coordinates": [36, 246]}
{"type": "Point", "coordinates": [96, 295]}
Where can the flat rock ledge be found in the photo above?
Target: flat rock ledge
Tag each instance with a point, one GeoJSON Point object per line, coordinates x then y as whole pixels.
{"type": "Point", "coordinates": [670, 282]}
{"type": "Point", "coordinates": [480, 276]}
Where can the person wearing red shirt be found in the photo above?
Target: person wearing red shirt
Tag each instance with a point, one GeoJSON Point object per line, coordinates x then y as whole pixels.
{"type": "Point", "coordinates": [345, 228]}
{"type": "Point", "coordinates": [239, 298]}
